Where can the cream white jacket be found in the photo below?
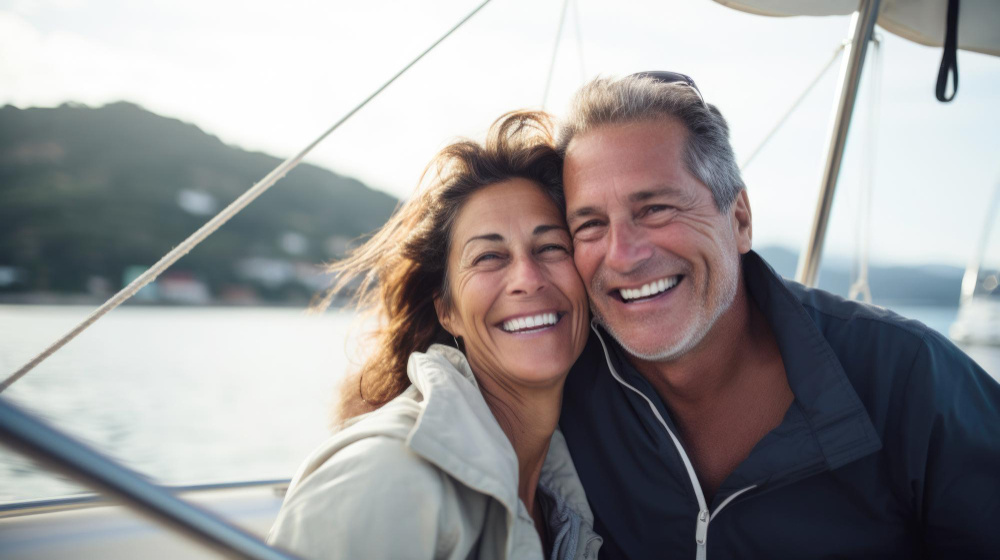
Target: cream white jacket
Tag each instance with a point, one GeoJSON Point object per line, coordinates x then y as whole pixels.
{"type": "Point", "coordinates": [431, 475]}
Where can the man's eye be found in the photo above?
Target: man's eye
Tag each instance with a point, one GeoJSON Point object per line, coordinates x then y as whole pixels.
{"type": "Point", "coordinates": [656, 214]}
{"type": "Point", "coordinates": [585, 226]}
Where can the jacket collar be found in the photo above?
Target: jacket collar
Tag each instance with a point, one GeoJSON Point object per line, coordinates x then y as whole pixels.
{"type": "Point", "coordinates": [456, 431]}
{"type": "Point", "coordinates": [827, 411]}
{"type": "Point", "coordinates": [478, 454]}
{"type": "Point", "coordinates": [826, 427]}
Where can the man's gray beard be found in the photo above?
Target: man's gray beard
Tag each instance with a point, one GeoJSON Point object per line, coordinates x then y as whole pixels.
{"type": "Point", "coordinates": [685, 345]}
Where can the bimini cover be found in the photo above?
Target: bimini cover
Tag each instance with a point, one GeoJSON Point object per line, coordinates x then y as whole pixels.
{"type": "Point", "coordinates": [921, 21]}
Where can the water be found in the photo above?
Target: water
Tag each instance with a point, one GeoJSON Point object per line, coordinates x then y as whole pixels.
{"type": "Point", "coordinates": [184, 395]}
{"type": "Point", "coordinates": [198, 395]}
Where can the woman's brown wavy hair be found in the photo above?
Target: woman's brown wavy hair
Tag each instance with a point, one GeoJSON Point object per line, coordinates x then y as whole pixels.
{"type": "Point", "coordinates": [402, 268]}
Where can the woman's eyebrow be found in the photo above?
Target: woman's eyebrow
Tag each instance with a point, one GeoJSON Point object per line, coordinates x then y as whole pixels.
{"type": "Point", "coordinates": [497, 238]}
{"type": "Point", "coordinates": [494, 237]}
{"type": "Point", "coordinates": [549, 227]}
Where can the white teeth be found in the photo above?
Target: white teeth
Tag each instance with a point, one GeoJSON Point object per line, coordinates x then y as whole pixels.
{"type": "Point", "coordinates": [526, 323]}
{"type": "Point", "coordinates": [650, 289]}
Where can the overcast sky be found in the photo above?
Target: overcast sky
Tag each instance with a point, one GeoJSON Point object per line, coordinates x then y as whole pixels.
{"type": "Point", "coordinates": [272, 76]}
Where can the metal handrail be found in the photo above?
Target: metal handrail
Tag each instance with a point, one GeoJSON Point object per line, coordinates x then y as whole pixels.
{"type": "Point", "coordinates": [26, 434]}
{"type": "Point", "coordinates": [91, 500]}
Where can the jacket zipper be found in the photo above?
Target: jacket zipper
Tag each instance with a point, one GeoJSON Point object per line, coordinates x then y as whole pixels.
{"type": "Point", "coordinates": [704, 515]}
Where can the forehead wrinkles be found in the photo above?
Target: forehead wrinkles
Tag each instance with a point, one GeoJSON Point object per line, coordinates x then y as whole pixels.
{"type": "Point", "coordinates": [621, 159]}
{"type": "Point", "coordinates": [593, 184]}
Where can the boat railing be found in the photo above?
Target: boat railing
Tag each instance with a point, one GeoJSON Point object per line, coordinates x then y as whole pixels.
{"type": "Point", "coordinates": [30, 436]}
{"type": "Point", "coordinates": [278, 486]}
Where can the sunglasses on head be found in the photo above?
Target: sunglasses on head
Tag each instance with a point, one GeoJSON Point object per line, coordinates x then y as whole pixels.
{"type": "Point", "coordinates": [665, 77]}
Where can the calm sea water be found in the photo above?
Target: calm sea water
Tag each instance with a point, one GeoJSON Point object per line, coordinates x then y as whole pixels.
{"type": "Point", "coordinates": [184, 395]}
{"type": "Point", "coordinates": [192, 396]}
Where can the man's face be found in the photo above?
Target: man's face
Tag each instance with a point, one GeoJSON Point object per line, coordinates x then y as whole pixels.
{"type": "Point", "coordinates": [660, 261]}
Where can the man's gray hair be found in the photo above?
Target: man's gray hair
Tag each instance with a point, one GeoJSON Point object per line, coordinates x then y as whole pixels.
{"type": "Point", "coordinates": [707, 155]}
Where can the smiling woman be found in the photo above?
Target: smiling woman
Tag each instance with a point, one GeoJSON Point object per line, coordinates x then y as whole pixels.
{"type": "Point", "coordinates": [516, 300]}
{"type": "Point", "coordinates": [459, 452]}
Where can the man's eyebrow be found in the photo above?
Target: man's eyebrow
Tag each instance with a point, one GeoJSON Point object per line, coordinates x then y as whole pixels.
{"type": "Point", "coordinates": [665, 190]}
{"type": "Point", "coordinates": [638, 196]}
{"type": "Point", "coordinates": [582, 213]}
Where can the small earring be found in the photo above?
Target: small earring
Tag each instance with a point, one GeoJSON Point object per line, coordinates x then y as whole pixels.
{"type": "Point", "coordinates": [453, 337]}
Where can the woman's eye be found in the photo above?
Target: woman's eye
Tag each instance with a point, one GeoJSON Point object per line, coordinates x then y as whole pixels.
{"type": "Point", "coordinates": [553, 247]}
{"type": "Point", "coordinates": [485, 257]}
{"type": "Point", "coordinates": [654, 208]}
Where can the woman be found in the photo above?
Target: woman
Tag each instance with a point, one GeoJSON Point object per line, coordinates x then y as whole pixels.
{"type": "Point", "coordinates": [481, 315]}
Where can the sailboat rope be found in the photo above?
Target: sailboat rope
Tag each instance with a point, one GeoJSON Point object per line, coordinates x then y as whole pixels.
{"type": "Point", "coordinates": [221, 218]}
{"type": "Point", "coordinates": [555, 51]}
{"type": "Point", "coordinates": [860, 287]}
{"type": "Point", "coordinates": [579, 41]}
{"type": "Point", "coordinates": [802, 96]}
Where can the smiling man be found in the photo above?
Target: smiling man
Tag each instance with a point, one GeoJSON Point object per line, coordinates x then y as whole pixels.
{"type": "Point", "coordinates": [717, 404]}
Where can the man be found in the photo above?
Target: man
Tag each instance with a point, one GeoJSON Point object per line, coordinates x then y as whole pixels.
{"type": "Point", "coordinates": [720, 410]}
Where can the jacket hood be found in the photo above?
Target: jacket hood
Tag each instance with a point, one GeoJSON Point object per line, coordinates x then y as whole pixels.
{"type": "Point", "coordinates": [479, 455]}
{"type": "Point", "coordinates": [444, 419]}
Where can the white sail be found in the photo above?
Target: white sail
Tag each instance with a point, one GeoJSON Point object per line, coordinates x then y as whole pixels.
{"type": "Point", "coordinates": [920, 21]}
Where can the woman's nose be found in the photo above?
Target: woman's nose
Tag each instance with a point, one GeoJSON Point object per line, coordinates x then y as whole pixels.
{"type": "Point", "coordinates": [526, 276]}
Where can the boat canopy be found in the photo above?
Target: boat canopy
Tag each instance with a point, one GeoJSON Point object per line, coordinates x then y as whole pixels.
{"type": "Point", "coordinates": [921, 21]}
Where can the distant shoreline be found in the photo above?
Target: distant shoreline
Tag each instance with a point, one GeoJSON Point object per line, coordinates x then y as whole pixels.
{"type": "Point", "coordinates": [54, 299]}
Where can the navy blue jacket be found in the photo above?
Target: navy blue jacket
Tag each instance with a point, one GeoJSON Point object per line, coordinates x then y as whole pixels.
{"type": "Point", "coordinates": [891, 448]}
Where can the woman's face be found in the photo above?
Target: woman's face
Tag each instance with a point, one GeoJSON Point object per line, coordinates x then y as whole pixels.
{"type": "Point", "coordinates": [517, 301]}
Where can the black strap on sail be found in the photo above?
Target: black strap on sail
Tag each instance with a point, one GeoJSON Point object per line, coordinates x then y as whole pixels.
{"type": "Point", "coordinates": [949, 61]}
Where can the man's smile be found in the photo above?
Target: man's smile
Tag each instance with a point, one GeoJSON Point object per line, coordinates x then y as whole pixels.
{"type": "Point", "coordinates": [648, 290]}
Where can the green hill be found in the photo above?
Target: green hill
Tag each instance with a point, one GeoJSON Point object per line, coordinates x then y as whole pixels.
{"type": "Point", "coordinates": [87, 195]}
{"type": "Point", "coordinates": [91, 196]}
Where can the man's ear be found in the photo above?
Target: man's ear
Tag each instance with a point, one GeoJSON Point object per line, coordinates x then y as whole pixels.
{"type": "Point", "coordinates": [742, 222]}
{"type": "Point", "coordinates": [444, 314]}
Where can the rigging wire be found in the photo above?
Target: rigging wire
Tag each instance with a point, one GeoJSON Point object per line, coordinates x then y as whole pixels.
{"type": "Point", "coordinates": [801, 98]}
{"type": "Point", "coordinates": [579, 40]}
{"type": "Point", "coordinates": [555, 51]}
{"type": "Point", "coordinates": [221, 218]}
{"type": "Point", "coordinates": [862, 236]}
{"type": "Point", "coordinates": [970, 281]}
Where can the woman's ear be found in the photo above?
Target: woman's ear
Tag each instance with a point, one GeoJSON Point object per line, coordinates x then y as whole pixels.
{"type": "Point", "coordinates": [444, 314]}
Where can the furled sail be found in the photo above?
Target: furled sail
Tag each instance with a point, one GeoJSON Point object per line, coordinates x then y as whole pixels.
{"type": "Point", "coordinates": [921, 21]}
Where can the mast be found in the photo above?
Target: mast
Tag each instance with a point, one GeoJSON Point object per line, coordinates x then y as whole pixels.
{"type": "Point", "coordinates": [862, 28]}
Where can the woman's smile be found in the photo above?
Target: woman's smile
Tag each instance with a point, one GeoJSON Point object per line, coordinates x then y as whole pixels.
{"type": "Point", "coordinates": [515, 298]}
{"type": "Point", "coordinates": [532, 323]}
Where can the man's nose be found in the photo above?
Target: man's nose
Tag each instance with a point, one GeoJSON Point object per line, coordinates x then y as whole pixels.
{"type": "Point", "coordinates": [628, 247]}
{"type": "Point", "coordinates": [526, 276]}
